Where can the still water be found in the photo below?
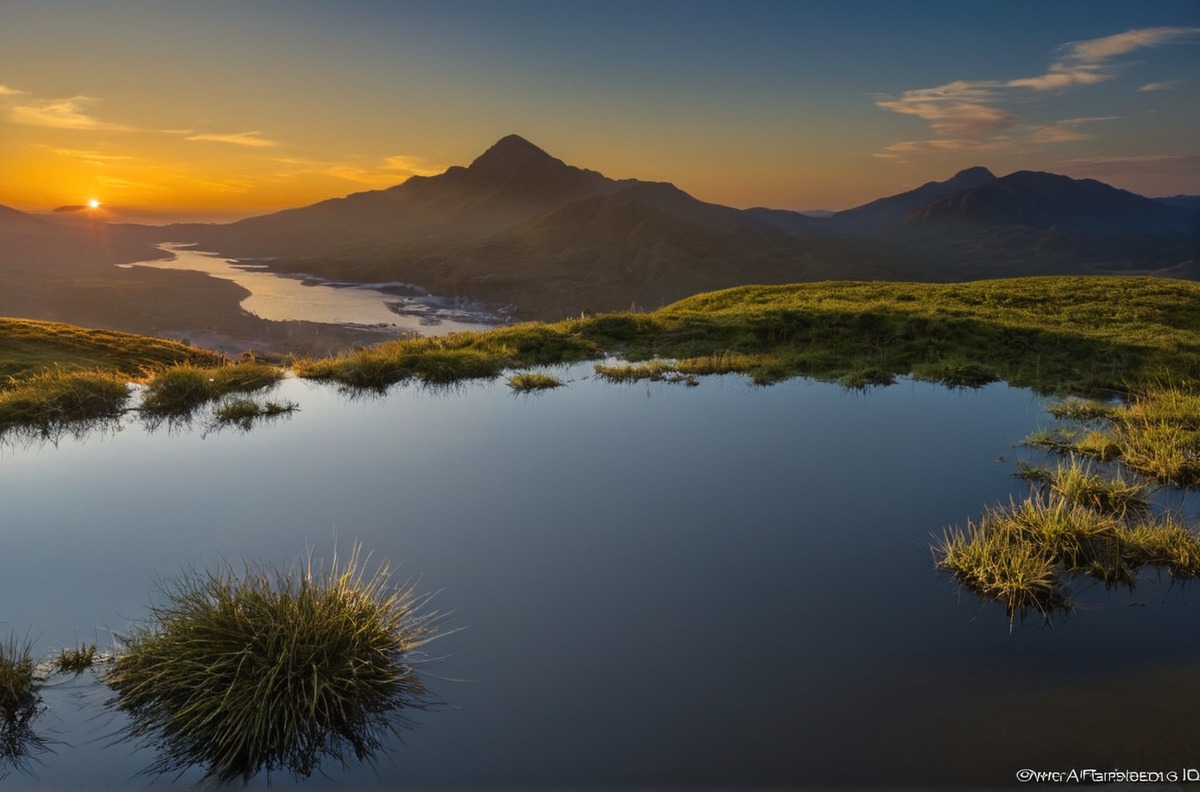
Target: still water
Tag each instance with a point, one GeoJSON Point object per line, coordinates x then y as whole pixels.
{"type": "Point", "coordinates": [657, 587]}
{"type": "Point", "coordinates": [302, 298]}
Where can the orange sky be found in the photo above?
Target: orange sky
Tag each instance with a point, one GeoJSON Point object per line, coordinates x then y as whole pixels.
{"type": "Point", "coordinates": [218, 110]}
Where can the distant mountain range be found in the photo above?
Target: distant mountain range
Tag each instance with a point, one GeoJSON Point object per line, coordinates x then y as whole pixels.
{"type": "Point", "coordinates": [520, 227]}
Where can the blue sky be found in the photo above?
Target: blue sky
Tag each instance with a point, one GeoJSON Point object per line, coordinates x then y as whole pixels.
{"type": "Point", "coordinates": [227, 108]}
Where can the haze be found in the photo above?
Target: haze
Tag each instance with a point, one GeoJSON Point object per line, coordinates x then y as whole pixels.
{"type": "Point", "coordinates": [168, 111]}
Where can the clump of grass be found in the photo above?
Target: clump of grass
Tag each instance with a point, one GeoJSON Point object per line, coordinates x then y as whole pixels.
{"type": "Point", "coordinates": [244, 412]}
{"type": "Point", "coordinates": [19, 704]}
{"type": "Point", "coordinates": [653, 371]}
{"type": "Point", "coordinates": [1077, 483]}
{"type": "Point", "coordinates": [1094, 443]}
{"type": "Point", "coordinates": [75, 660]}
{"type": "Point", "coordinates": [181, 389]}
{"type": "Point", "coordinates": [1075, 409]}
{"type": "Point", "coordinates": [997, 564]}
{"type": "Point", "coordinates": [58, 396]}
{"type": "Point", "coordinates": [865, 376]}
{"type": "Point", "coordinates": [956, 373]}
{"type": "Point", "coordinates": [270, 669]}
{"type": "Point", "coordinates": [528, 382]}
{"type": "Point", "coordinates": [1165, 542]}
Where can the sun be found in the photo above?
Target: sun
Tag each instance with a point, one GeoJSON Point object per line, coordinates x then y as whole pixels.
{"type": "Point", "coordinates": [93, 204]}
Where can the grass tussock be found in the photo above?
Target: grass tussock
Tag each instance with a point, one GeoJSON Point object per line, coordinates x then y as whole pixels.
{"type": "Point", "coordinates": [529, 382]}
{"type": "Point", "coordinates": [75, 660]}
{"type": "Point", "coordinates": [1157, 434]}
{"type": "Point", "coordinates": [269, 669]}
{"type": "Point", "coordinates": [58, 396]}
{"type": "Point", "coordinates": [1078, 483]}
{"type": "Point", "coordinates": [653, 371]}
{"type": "Point", "coordinates": [19, 706]}
{"type": "Point", "coordinates": [244, 413]}
{"type": "Point", "coordinates": [182, 389]}
{"type": "Point", "coordinates": [1023, 555]}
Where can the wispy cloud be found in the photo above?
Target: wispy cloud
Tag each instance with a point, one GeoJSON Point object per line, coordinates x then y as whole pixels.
{"type": "Point", "coordinates": [1066, 130]}
{"type": "Point", "coordinates": [6, 91]}
{"type": "Point", "coordinates": [252, 139]}
{"type": "Point", "coordinates": [976, 114]}
{"type": "Point", "coordinates": [411, 165]}
{"type": "Point", "coordinates": [1169, 85]}
{"type": "Point", "coordinates": [70, 113]}
{"type": "Point", "coordinates": [1087, 62]}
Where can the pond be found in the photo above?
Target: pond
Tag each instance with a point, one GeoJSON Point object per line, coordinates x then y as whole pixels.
{"type": "Point", "coordinates": [282, 298]}
{"type": "Point", "coordinates": [653, 586]}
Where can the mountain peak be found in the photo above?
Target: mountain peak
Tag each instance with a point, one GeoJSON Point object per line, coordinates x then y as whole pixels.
{"type": "Point", "coordinates": [975, 174]}
{"type": "Point", "coordinates": [510, 153]}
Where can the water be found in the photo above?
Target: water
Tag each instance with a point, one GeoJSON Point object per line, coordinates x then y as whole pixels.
{"type": "Point", "coordinates": [304, 298]}
{"type": "Point", "coordinates": [659, 586]}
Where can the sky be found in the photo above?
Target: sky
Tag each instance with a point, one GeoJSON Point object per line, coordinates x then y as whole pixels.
{"type": "Point", "coordinates": [176, 109]}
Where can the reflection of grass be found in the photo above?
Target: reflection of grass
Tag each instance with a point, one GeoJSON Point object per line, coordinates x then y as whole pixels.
{"type": "Point", "coordinates": [1156, 434]}
{"type": "Point", "coordinates": [1084, 522]}
{"type": "Point", "coordinates": [244, 412]}
{"type": "Point", "coordinates": [528, 382]}
{"type": "Point", "coordinates": [17, 683]}
{"type": "Point", "coordinates": [181, 389]}
{"type": "Point", "coordinates": [272, 669]}
{"type": "Point", "coordinates": [653, 371]}
{"type": "Point", "coordinates": [1021, 555]}
{"type": "Point", "coordinates": [75, 661]}
{"type": "Point", "coordinates": [57, 396]}
{"type": "Point", "coordinates": [19, 705]}
{"type": "Point", "coordinates": [1077, 483]}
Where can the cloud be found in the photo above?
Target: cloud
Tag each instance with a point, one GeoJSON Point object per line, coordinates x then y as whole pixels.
{"type": "Point", "coordinates": [6, 91]}
{"type": "Point", "coordinates": [977, 110]}
{"type": "Point", "coordinates": [414, 165]}
{"type": "Point", "coordinates": [1161, 86]}
{"type": "Point", "coordinates": [1066, 130]}
{"type": "Point", "coordinates": [957, 108]}
{"type": "Point", "coordinates": [253, 139]}
{"type": "Point", "coordinates": [1084, 62]}
{"type": "Point", "coordinates": [1102, 49]}
{"type": "Point", "coordinates": [69, 113]}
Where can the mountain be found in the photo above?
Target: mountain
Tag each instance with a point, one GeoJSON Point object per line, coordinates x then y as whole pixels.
{"type": "Point", "coordinates": [520, 227]}
{"type": "Point", "coordinates": [885, 213]}
{"type": "Point", "coordinates": [512, 181]}
{"type": "Point", "coordinates": [1038, 200]}
{"type": "Point", "coordinates": [1182, 201]}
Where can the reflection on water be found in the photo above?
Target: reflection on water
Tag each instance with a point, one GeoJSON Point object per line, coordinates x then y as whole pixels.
{"type": "Point", "coordinates": [306, 298]}
{"type": "Point", "coordinates": [659, 587]}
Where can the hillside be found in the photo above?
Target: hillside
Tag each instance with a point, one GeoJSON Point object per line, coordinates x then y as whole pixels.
{"type": "Point", "coordinates": [521, 228]}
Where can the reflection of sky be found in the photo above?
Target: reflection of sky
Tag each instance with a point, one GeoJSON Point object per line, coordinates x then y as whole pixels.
{"type": "Point", "coordinates": [283, 298]}
{"type": "Point", "coordinates": [658, 585]}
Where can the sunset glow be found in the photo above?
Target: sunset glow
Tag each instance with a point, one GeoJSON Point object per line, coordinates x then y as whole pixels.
{"type": "Point", "coordinates": [787, 105]}
{"type": "Point", "coordinates": [93, 204]}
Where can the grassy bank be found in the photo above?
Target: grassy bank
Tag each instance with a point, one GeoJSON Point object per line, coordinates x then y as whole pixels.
{"type": "Point", "coordinates": [1053, 334]}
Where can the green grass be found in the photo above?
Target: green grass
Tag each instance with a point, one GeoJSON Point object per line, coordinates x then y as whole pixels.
{"type": "Point", "coordinates": [244, 413]}
{"type": "Point", "coordinates": [182, 389]}
{"type": "Point", "coordinates": [75, 660]}
{"type": "Point", "coordinates": [653, 371]}
{"type": "Point", "coordinates": [20, 704]}
{"type": "Point", "coordinates": [1053, 334]}
{"type": "Point", "coordinates": [270, 669]}
{"type": "Point", "coordinates": [1157, 434]}
{"type": "Point", "coordinates": [529, 382]}
{"type": "Point", "coordinates": [1077, 483]}
{"type": "Point", "coordinates": [29, 347]}
{"type": "Point", "coordinates": [1023, 555]}
{"type": "Point", "coordinates": [58, 396]}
